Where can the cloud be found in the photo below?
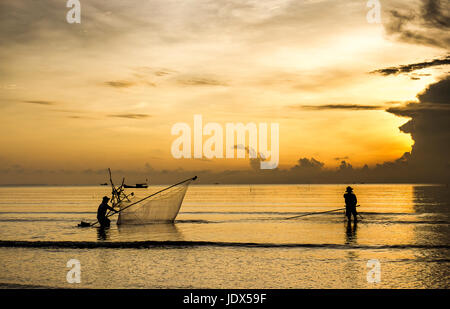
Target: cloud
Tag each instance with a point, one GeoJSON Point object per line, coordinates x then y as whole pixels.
{"type": "Point", "coordinates": [393, 102]}
{"type": "Point", "coordinates": [145, 71]}
{"type": "Point", "coordinates": [257, 158]}
{"type": "Point", "coordinates": [120, 83]}
{"type": "Point", "coordinates": [82, 117]}
{"type": "Point", "coordinates": [39, 102]}
{"type": "Point", "coordinates": [311, 81]}
{"type": "Point", "coordinates": [437, 93]}
{"type": "Point", "coordinates": [162, 73]}
{"type": "Point", "coordinates": [200, 81]}
{"type": "Point", "coordinates": [140, 76]}
{"type": "Point", "coordinates": [131, 116]}
{"type": "Point", "coordinates": [412, 109]}
{"type": "Point", "coordinates": [435, 99]}
{"type": "Point", "coordinates": [425, 25]}
{"type": "Point", "coordinates": [29, 23]}
{"type": "Point", "coordinates": [339, 107]}
{"type": "Point", "coordinates": [341, 158]}
{"type": "Point", "coordinates": [306, 163]}
{"type": "Point", "coordinates": [433, 12]}
{"type": "Point", "coordinates": [412, 67]}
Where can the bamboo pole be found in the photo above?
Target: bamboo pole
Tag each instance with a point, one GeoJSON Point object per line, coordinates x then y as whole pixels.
{"type": "Point", "coordinates": [316, 213]}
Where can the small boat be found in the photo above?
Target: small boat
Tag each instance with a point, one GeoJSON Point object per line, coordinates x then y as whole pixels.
{"type": "Point", "coordinates": [137, 186]}
{"type": "Point", "coordinates": [104, 184]}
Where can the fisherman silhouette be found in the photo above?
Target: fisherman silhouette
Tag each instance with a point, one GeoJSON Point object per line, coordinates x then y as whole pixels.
{"type": "Point", "coordinates": [101, 212]}
{"type": "Point", "coordinates": [350, 204]}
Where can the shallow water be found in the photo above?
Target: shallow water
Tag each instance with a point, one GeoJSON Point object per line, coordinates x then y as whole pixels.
{"type": "Point", "coordinates": [231, 236]}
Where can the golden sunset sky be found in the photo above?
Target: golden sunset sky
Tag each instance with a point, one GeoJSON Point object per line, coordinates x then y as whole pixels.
{"type": "Point", "coordinates": [106, 92]}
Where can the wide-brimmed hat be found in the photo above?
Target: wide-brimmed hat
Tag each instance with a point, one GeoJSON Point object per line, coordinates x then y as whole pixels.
{"type": "Point", "coordinates": [105, 198]}
{"type": "Point", "coordinates": [349, 189]}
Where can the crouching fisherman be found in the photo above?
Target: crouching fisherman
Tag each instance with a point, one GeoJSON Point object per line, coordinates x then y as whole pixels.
{"type": "Point", "coordinates": [101, 212]}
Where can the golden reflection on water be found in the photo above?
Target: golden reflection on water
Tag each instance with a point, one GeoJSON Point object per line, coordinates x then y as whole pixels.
{"type": "Point", "coordinates": [396, 219]}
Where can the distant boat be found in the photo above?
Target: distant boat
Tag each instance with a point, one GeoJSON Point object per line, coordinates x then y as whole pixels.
{"type": "Point", "coordinates": [137, 186]}
{"type": "Point", "coordinates": [104, 184]}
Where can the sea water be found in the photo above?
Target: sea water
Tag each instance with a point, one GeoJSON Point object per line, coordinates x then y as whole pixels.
{"type": "Point", "coordinates": [231, 236]}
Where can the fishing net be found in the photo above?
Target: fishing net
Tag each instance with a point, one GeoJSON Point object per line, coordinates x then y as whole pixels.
{"type": "Point", "coordinates": [162, 207]}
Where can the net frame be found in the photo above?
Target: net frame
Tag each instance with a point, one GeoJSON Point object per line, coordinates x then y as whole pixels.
{"type": "Point", "coordinates": [162, 206]}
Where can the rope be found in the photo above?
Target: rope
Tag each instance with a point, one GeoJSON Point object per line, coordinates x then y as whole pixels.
{"type": "Point", "coordinates": [316, 213]}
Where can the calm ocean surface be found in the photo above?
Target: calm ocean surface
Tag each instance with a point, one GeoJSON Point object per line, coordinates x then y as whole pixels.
{"type": "Point", "coordinates": [230, 236]}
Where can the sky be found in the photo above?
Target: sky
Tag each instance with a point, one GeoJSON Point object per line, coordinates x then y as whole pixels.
{"type": "Point", "coordinates": [355, 101]}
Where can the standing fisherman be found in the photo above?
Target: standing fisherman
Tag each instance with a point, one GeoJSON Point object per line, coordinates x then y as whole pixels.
{"type": "Point", "coordinates": [101, 212]}
{"type": "Point", "coordinates": [350, 204]}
